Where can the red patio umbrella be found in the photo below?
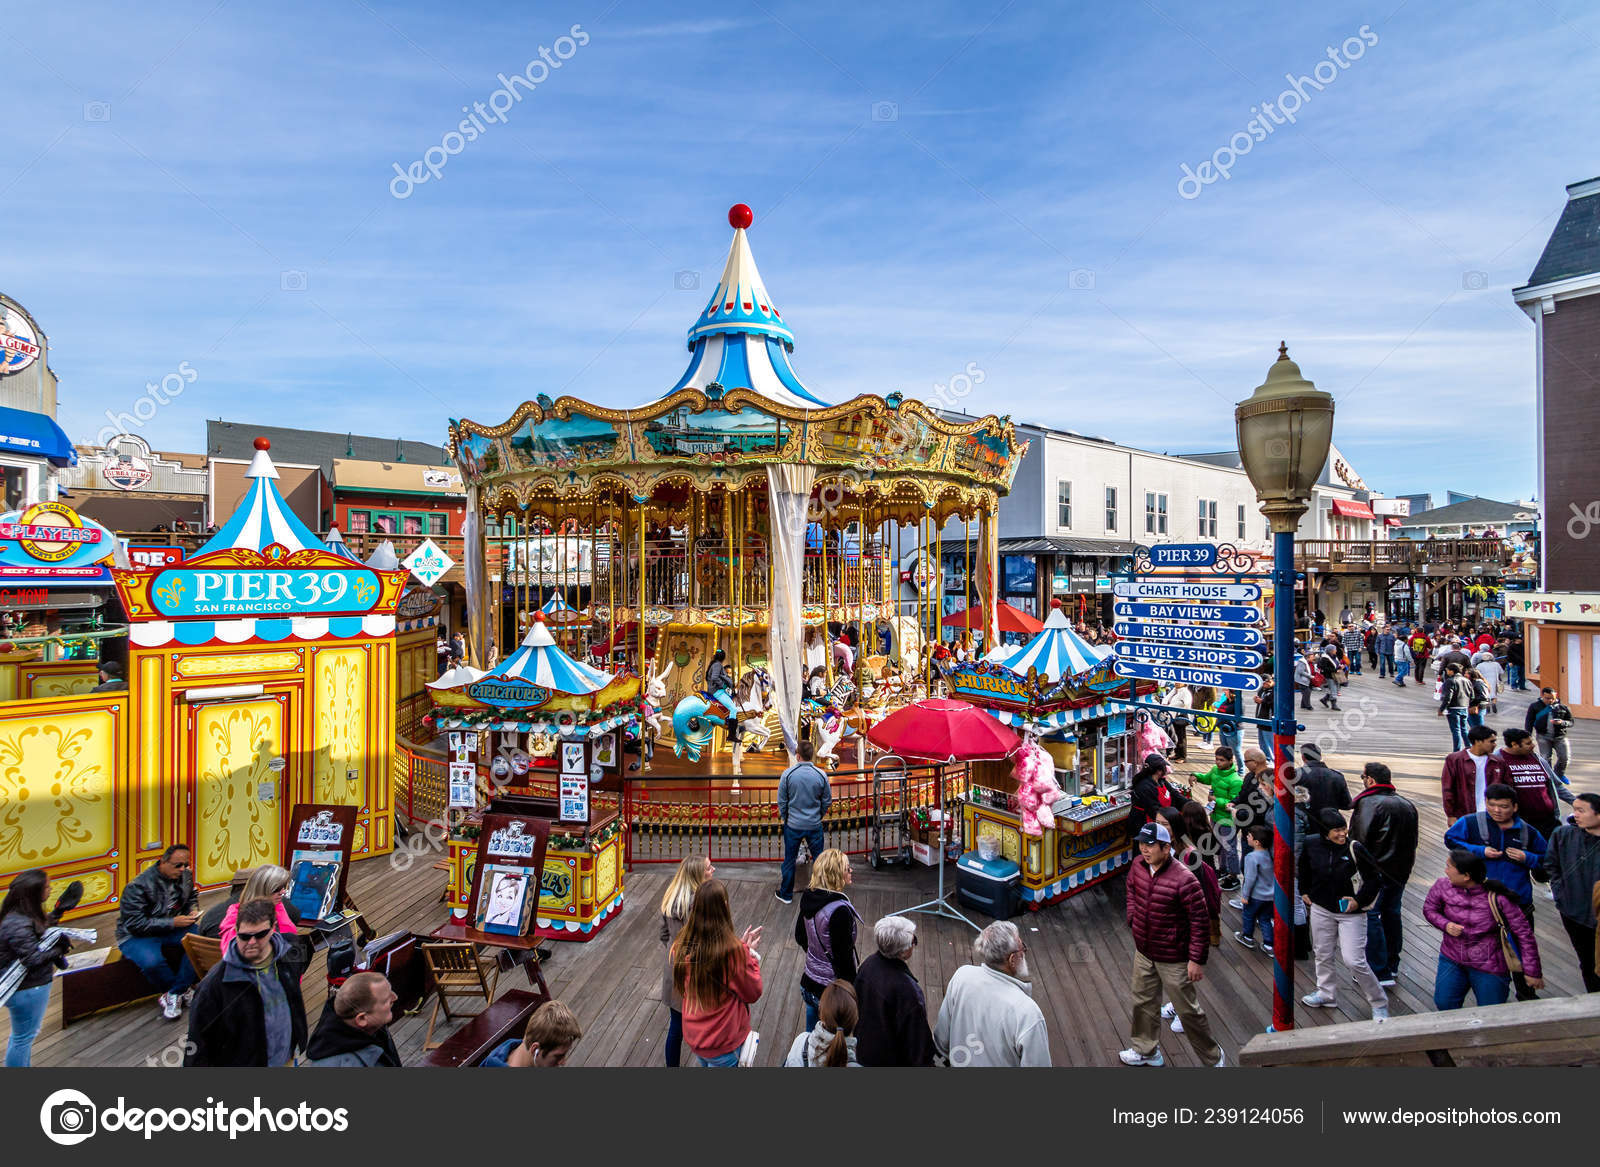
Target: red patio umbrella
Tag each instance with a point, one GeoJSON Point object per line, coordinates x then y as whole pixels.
{"type": "Point", "coordinates": [941, 730]}
{"type": "Point", "coordinates": [1011, 619]}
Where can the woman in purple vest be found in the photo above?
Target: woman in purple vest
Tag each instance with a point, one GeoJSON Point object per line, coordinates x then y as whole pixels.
{"type": "Point", "coordinates": [826, 929]}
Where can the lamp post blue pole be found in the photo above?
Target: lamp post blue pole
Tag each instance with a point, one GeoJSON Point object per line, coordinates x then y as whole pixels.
{"type": "Point", "coordinates": [1283, 731]}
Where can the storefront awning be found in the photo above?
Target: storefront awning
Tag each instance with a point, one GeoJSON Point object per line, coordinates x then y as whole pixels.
{"type": "Point", "coordinates": [24, 432]}
{"type": "Point", "coordinates": [1392, 521]}
{"type": "Point", "coordinates": [1351, 510]}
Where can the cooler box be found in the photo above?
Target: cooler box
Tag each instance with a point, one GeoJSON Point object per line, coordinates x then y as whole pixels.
{"type": "Point", "coordinates": [990, 886]}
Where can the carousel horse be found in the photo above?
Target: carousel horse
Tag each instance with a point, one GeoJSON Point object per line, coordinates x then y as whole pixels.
{"type": "Point", "coordinates": [831, 729]}
{"type": "Point", "coordinates": [655, 697]}
{"type": "Point", "coordinates": [693, 722]}
{"type": "Point", "coordinates": [754, 697]}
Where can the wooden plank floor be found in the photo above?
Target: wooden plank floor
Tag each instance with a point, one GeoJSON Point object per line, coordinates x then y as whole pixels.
{"type": "Point", "coordinates": [1080, 950]}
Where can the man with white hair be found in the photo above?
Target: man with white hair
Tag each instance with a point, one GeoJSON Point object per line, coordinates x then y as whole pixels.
{"type": "Point", "coordinates": [892, 1029]}
{"type": "Point", "coordinates": [988, 1016]}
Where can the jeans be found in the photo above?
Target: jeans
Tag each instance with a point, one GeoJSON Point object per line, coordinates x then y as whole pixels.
{"type": "Point", "coordinates": [1474, 719]}
{"type": "Point", "coordinates": [1514, 677]}
{"type": "Point", "coordinates": [27, 1018]}
{"type": "Point", "coordinates": [170, 973]}
{"type": "Point", "coordinates": [791, 853]}
{"type": "Point", "coordinates": [1458, 728]}
{"type": "Point", "coordinates": [1264, 740]}
{"type": "Point", "coordinates": [731, 1058]}
{"type": "Point", "coordinates": [1384, 935]}
{"type": "Point", "coordinates": [1402, 670]}
{"type": "Point", "coordinates": [674, 1049]}
{"type": "Point", "coordinates": [813, 1004]}
{"type": "Point", "coordinates": [1451, 982]}
{"type": "Point", "coordinates": [1231, 739]}
{"type": "Point", "coordinates": [1305, 696]}
{"type": "Point", "coordinates": [1554, 750]}
{"type": "Point", "coordinates": [1386, 664]}
{"type": "Point", "coordinates": [1227, 836]}
{"type": "Point", "coordinates": [1355, 663]}
{"type": "Point", "coordinates": [1258, 912]}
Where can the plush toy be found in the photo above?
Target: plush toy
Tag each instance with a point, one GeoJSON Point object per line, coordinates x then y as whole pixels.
{"type": "Point", "coordinates": [1035, 773]}
{"type": "Point", "coordinates": [1152, 739]}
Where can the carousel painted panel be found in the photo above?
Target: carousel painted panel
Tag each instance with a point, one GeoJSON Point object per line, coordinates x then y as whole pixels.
{"type": "Point", "coordinates": [63, 791]}
{"type": "Point", "coordinates": [58, 679]}
{"type": "Point", "coordinates": [234, 751]}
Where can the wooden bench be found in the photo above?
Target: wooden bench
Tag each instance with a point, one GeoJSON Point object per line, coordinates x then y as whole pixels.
{"type": "Point", "coordinates": [504, 1019]}
{"type": "Point", "coordinates": [111, 985]}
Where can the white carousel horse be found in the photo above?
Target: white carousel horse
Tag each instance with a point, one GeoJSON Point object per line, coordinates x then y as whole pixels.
{"type": "Point", "coordinates": [754, 696]}
{"type": "Point", "coordinates": [655, 696]}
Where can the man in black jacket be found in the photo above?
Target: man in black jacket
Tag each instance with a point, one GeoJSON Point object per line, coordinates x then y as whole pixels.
{"type": "Point", "coordinates": [1386, 825]}
{"type": "Point", "coordinates": [1548, 720]}
{"type": "Point", "coordinates": [248, 1011]}
{"type": "Point", "coordinates": [158, 908]}
{"type": "Point", "coordinates": [354, 1030]}
{"type": "Point", "coordinates": [893, 1026]}
{"type": "Point", "coordinates": [1325, 786]}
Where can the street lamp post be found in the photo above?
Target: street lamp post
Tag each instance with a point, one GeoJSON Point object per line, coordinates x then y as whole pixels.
{"type": "Point", "coordinates": [1285, 430]}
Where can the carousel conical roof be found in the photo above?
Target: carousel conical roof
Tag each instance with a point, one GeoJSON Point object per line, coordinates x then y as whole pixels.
{"type": "Point", "coordinates": [1057, 651]}
{"type": "Point", "coordinates": [263, 518]}
{"type": "Point", "coordinates": [335, 543]}
{"type": "Point", "coordinates": [557, 610]}
{"type": "Point", "coordinates": [740, 340]}
{"type": "Point", "coordinates": [540, 661]}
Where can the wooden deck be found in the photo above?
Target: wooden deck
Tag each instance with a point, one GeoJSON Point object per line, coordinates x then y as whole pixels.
{"type": "Point", "coordinates": [1080, 950]}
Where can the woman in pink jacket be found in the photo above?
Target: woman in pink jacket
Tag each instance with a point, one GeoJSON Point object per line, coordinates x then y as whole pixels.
{"type": "Point", "coordinates": [265, 883]}
{"type": "Point", "coordinates": [1463, 905]}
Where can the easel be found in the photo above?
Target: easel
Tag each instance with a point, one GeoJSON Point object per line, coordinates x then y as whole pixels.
{"type": "Point", "coordinates": [939, 905]}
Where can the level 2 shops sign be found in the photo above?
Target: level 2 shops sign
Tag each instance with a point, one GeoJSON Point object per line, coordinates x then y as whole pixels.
{"type": "Point", "coordinates": [236, 583]}
{"type": "Point", "coordinates": [51, 542]}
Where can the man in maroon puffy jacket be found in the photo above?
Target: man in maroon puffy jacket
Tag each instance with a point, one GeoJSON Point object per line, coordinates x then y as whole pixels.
{"type": "Point", "coordinates": [1171, 939]}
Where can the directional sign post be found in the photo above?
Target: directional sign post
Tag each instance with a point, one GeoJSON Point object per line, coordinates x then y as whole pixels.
{"type": "Point", "coordinates": [1188, 675]}
{"type": "Point", "coordinates": [1148, 589]}
{"type": "Point", "coordinates": [1228, 613]}
{"type": "Point", "coordinates": [1189, 654]}
{"type": "Point", "coordinates": [1225, 634]}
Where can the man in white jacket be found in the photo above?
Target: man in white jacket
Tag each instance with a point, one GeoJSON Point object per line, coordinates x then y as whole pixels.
{"type": "Point", "coordinates": [988, 1016]}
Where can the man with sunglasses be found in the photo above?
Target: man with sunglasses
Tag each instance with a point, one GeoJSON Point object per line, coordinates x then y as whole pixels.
{"type": "Point", "coordinates": [248, 1011]}
{"type": "Point", "coordinates": [158, 909]}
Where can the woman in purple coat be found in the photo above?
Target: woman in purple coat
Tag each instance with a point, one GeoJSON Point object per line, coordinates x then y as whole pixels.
{"type": "Point", "coordinates": [1464, 906]}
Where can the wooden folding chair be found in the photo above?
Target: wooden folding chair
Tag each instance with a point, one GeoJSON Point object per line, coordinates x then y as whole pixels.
{"type": "Point", "coordinates": [203, 952]}
{"type": "Point", "coordinates": [457, 969]}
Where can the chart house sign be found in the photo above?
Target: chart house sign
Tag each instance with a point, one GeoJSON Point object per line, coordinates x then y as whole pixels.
{"type": "Point", "coordinates": [236, 583]}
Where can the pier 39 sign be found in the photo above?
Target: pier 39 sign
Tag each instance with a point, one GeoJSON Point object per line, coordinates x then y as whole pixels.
{"type": "Point", "coordinates": [236, 583]}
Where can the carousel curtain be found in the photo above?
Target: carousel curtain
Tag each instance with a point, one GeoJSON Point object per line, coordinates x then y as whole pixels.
{"type": "Point", "coordinates": [473, 565]}
{"type": "Point", "coordinates": [789, 495]}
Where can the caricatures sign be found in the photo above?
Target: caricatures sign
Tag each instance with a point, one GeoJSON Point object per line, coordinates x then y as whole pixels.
{"type": "Point", "coordinates": [317, 852]}
{"type": "Point", "coordinates": [505, 888]}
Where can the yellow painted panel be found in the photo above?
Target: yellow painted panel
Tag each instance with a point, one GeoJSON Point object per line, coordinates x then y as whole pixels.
{"type": "Point", "coordinates": [605, 873]}
{"type": "Point", "coordinates": [148, 776]}
{"type": "Point", "coordinates": [556, 885]}
{"type": "Point", "coordinates": [252, 662]}
{"type": "Point", "coordinates": [62, 684]}
{"type": "Point", "coordinates": [338, 744]}
{"type": "Point", "coordinates": [57, 787]}
{"type": "Point", "coordinates": [233, 744]}
{"type": "Point", "coordinates": [8, 680]}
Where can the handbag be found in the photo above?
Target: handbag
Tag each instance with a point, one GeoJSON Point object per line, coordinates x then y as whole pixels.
{"type": "Point", "coordinates": [1507, 949]}
{"type": "Point", "coordinates": [747, 1051]}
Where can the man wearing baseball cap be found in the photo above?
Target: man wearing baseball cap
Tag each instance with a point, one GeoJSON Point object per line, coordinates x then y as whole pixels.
{"type": "Point", "coordinates": [1171, 939]}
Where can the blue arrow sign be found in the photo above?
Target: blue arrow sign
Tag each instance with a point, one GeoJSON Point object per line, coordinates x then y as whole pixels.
{"type": "Point", "coordinates": [1230, 613]}
{"type": "Point", "coordinates": [1183, 555]}
{"type": "Point", "coordinates": [1192, 634]}
{"type": "Point", "coordinates": [1187, 593]}
{"type": "Point", "coordinates": [1188, 675]}
{"type": "Point", "coordinates": [1190, 654]}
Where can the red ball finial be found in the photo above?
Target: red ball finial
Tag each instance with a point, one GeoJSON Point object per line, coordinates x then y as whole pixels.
{"type": "Point", "coordinates": [263, 444]}
{"type": "Point", "coordinates": [538, 617]}
{"type": "Point", "coordinates": [1055, 604]}
{"type": "Point", "coordinates": [740, 216]}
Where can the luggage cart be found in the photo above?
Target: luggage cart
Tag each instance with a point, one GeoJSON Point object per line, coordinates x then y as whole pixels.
{"type": "Point", "coordinates": [889, 832]}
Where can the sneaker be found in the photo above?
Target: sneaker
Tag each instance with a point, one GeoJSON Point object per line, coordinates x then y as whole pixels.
{"type": "Point", "coordinates": [1236, 904]}
{"type": "Point", "coordinates": [782, 899]}
{"type": "Point", "coordinates": [1222, 1059]}
{"type": "Point", "coordinates": [171, 1006]}
{"type": "Point", "coordinates": [1177, 1025]}
{"type": "Point", "coordinates": [1317, 1001]}
{"type": "Point", "coordinates": [1380, 1012]}
{"type": "Point", "coordinates": [1132, 1057]}
{"type": "Point", "coordinates": [1168, 1011]}
{"type": "Point", "coordinates": [1247, 941]}
{"type": "Point", "coordinates": [1229, 883]}
{"type": "Point", "coordinates": [188, 996]}
{"type": "Point", "coordinates": [1387, 982]}
{"type": "Point", "coordinates": [1267, 948]}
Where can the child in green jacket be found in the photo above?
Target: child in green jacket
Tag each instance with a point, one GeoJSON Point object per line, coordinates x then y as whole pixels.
{"type": "Point", "coordinates": [1225, 783]}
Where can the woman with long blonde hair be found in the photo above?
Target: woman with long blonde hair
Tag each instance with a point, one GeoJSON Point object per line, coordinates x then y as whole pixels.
{"type": "Point", "coordinates": [267, 882]}
{"type": "Point", "coordinates": [691, 874]}
{"type": "Point", "coordinates": [826, 929]}
{"type": "Point", "coordinates": [718, 972]}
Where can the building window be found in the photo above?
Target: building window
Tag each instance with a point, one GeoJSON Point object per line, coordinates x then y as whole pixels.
{"type": "Point", "coordinates": [1208, 518]}
{"type": "Point", "coordinates": [360, 521]}
{"type": "Point", "coordinates": [17, 488]}
{"type": "Point", "coordinates": [1063, 504]}
{"type": "Point", "coordinates": [1020, 574]}
{"type": "Point", "coordinates": [1155, 513]}
{"type": "Point", "coordinates": [1241, 526]}
{"type": "Point", "coordinates": [440, 525]}
{"type": "Point", "coordinates": [1111, 508]}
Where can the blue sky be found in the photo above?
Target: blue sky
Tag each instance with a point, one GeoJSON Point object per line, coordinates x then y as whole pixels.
{"type": "Point", "coordinates": [934, 185]}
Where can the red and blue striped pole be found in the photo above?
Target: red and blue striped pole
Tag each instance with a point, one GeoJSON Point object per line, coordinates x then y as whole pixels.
{"type": "Point", "coordinates": [1283, 729]}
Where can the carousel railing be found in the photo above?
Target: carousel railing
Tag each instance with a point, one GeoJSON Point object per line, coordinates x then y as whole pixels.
{"type": "Point", "coordinates": [730, 822]}
{"type": "Point", "coordinates": [676, 577]}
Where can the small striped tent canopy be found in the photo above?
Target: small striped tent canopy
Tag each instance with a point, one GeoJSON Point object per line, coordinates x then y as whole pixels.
{"type": "Point", "coordinates": [263, 518]}
{"type": "Point", "coordinates": [539, 661]}
{"type": "Point", "coordinates": [556, 610]}
{"type": "Point", "coordinates": [335, 543]}
{"type": "Point", "coordinates": [1057, 652]}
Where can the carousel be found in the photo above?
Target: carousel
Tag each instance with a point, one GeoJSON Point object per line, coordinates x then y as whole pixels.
{"type": "Point", "coordinates": [735, 542]}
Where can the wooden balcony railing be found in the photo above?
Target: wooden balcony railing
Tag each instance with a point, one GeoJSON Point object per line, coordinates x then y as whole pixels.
{"type": "Point", "coordinates": [1399, 556]}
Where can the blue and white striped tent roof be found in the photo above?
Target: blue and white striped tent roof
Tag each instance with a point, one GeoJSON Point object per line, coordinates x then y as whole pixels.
{"type": "Point", "coordinates": [740, 340]}
{"type": "Point", "coordinates": [335, 543]}
{"type": "Point", "coordinates": [558, 610]}
{"type": "Point", "coordinates": [263, 518]}
{"type": "Point", "coordinates": [1057, 651]}
{"type": "Point", "coordinates": [539, 661]}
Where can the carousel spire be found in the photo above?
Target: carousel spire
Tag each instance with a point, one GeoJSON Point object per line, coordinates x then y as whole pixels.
{"type": "Point", "coordinates": [740, 340]}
